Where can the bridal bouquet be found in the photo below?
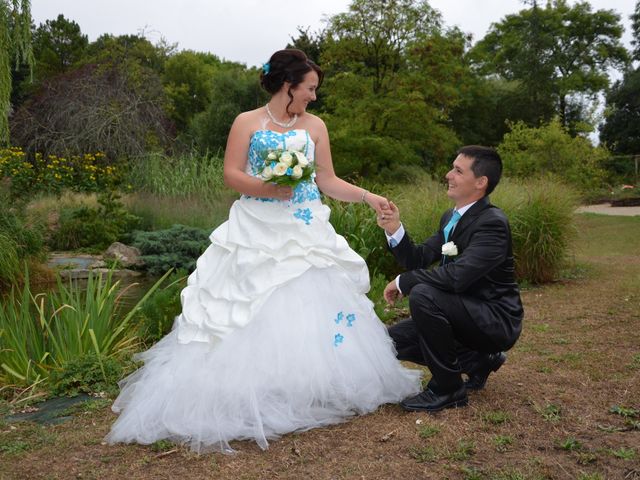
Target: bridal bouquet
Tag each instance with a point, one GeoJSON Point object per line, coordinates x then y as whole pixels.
{"type": "Point", "coordinates": [286, 167]}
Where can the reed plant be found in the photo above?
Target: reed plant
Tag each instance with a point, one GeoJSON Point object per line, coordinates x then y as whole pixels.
{"type": "Point", "coordinates": [10, 270]}
{"type": "Point", "coordinates": [187, 175]}
{"type": "Point", "coordinates": [21, 240]}
{"type": "Point", "coordinates": [185, 189]}
{"type": "Point", "coordinates": [161, 212]}
{"type": "Point", "coordinates": [42, 332]}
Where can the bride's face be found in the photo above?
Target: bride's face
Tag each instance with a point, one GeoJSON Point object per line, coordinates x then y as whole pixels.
{"type": "Point", "coordinates": [304, 93]}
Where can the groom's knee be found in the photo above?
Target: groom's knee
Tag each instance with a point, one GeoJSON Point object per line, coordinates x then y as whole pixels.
{"type": "Point", "coordinates": [402, 330]}
{"type": "Point", "coordinates": [423, 299]}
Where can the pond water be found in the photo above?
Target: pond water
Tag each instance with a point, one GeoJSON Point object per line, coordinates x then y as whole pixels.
{"type": "Point", "coordinates": [76, 268]}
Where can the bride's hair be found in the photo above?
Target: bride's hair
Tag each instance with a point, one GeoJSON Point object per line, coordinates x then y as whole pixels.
{"type": "Point", "coordinates": [289, 65]}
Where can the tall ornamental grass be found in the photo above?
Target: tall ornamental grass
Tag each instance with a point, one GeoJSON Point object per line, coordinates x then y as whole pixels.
{"type": "Point", "coordinates": [46, 331]}
{"type": "Point", "coordinates": [541, 214]}
{"type": "Point", "coordinates": [356, 222]}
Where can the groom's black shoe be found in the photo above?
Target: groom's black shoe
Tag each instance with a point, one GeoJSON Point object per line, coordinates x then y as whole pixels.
{"type": "Point", "coordinates": [428, 401]}
{"type": "Point", "coordinates": [481, 371]}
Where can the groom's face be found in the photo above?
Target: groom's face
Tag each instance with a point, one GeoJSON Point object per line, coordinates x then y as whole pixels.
{"type": "Point", "coordinates": [464, 187]}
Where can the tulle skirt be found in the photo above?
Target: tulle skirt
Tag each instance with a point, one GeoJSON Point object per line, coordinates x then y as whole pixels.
{"type": "Point", "coordinates": [311, 353]}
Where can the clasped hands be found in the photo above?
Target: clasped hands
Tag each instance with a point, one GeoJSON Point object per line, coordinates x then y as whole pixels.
{"type": "Point", "coordinates": [388, 218]}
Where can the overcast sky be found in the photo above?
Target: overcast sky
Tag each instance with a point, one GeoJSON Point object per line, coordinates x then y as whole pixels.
{"type": "Point", "coordinates": [249, 31]}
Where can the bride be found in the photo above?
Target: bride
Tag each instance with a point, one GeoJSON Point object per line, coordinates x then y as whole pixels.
{"type": "Point", "coordinates": [276, 333]}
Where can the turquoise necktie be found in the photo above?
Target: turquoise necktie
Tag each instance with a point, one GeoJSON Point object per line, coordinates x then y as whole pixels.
{"type": "Point", "coordinates": [452, 223]}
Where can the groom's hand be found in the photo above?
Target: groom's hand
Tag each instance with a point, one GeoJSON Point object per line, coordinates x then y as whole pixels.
{"type": "Point", "coordinates": [391, 292]}
{"type": "Point", "coordinates": [389, 219]}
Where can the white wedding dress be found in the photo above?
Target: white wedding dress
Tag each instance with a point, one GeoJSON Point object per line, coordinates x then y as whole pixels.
{"type": "Point", "coordinates": [276, 332]}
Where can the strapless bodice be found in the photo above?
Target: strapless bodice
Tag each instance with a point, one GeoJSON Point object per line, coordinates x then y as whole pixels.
{"type": "Point", "coordinates": [262, 141]}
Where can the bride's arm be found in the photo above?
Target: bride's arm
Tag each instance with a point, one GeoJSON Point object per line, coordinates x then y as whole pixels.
{"type": "Point", "coordinates": [333, 186]}
{"type": "Point", "coordinates": [235, 160]}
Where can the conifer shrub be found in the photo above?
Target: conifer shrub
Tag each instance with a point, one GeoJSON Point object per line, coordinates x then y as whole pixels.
{"type": "Point", "coordinates": [177, 247]}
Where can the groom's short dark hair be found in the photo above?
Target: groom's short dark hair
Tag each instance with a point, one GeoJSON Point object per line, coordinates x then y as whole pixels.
{"type": "Point", "coordinates": [486, 162]}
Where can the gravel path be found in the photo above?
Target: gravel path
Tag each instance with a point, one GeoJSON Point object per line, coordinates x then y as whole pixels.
{"type": "Point", "coordinates": [607, 209]}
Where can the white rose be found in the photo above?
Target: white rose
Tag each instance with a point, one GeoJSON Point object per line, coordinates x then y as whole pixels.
{"type": "Point", "coordinates": [286, 158]}
{"type": "Point", "coordinates": [302, 160]}
{"type": "Point", "coordinates": [449, 249]}
{"type": "Point", "coordinates": [297, 172]}
{"type": "Point", "coordinates": [280, 169]}
{"type": "Point", "coordinates": [272, 156]}
{"type": "Point", "coordinates": [267, 173]}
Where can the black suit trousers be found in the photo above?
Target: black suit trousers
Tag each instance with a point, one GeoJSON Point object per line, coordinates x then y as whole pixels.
{"type": "Point", "coordinates": [441, 335]}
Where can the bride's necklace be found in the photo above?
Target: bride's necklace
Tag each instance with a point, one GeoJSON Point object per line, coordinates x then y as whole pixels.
{"type": "Point", "coordinates": [288, 124]}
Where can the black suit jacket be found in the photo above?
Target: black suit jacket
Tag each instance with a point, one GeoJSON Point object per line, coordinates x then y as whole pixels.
{"type": "Point", "coordinates": [482, 273]}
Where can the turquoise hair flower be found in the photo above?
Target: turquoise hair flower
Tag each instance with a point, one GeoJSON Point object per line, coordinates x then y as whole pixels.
{"type": "Point", "coordinates": [266, 68]}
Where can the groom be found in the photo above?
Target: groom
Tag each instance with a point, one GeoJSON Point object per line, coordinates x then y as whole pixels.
{"type": "Point", "coordinates": [466, 310]}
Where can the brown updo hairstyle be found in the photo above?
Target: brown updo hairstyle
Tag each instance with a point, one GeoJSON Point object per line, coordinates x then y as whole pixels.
{"type": "Point", "coordinates": [289, 65]}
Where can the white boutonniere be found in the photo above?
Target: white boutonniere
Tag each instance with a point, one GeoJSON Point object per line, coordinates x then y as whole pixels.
{"type": "Point", "coordinates": [449, 249]}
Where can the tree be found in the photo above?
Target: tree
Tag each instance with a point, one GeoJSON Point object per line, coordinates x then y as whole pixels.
{"type": "Point", "coordinates": [635, 28]}
{"type": "Point", "coordinates": [235, 89]}
{"type": "Point", "coordinates": [15, 44]}
{"type": "Point", "coordinates": [57, 46]}
{"type": "Point", "coordinates": [557, 52]}
{"type": "Point", "coordinates": [310, 43]}
{"type": "Point", "coordinates": [621, 129]}
{"type": "Point", "coordinates": [187, 83]}
{"type": "Point", "coordinates": [95, 108]}
{"type": "Point", "coordinates": [135, 50]}
{"type": "Point", "coordinates": [487, 106]}
{"type": "Point", "coordinates": [393, 76]}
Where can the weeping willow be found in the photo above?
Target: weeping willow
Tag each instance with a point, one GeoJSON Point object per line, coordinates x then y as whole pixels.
{"type": "Point", "coordinates": [15, 44]}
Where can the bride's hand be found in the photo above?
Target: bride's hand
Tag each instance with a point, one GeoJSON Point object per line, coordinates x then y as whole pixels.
{"type": "Point", "coordinates": [378, 203]}
{"type": "Point", "coordinates": [280, 192]}
{"type": "Point", "coordinates": [389, 220]}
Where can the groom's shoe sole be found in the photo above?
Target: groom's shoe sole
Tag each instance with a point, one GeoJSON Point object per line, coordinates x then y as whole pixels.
{"type": "Point", "coordinates": [478, 379]}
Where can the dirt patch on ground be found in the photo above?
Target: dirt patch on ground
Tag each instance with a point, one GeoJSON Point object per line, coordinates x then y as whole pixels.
{"type": "Point", "coordinates": [564, 406]}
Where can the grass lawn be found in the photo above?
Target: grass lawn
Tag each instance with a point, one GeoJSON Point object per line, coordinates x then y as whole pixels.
{"type": "Point", "coordinates": [566, 405]}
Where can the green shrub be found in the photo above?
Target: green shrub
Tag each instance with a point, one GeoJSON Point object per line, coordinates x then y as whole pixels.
{"type": "Point", "coordinates": [177, 247]}
{"type": "Point", "coordinates": [93, 228]}
{"type": "Point", "coordinates": [88, 373]}
{"type": "Point", "coordinates": [155, 317]}
{"type": "Point", "coordinates": [549, 150]}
